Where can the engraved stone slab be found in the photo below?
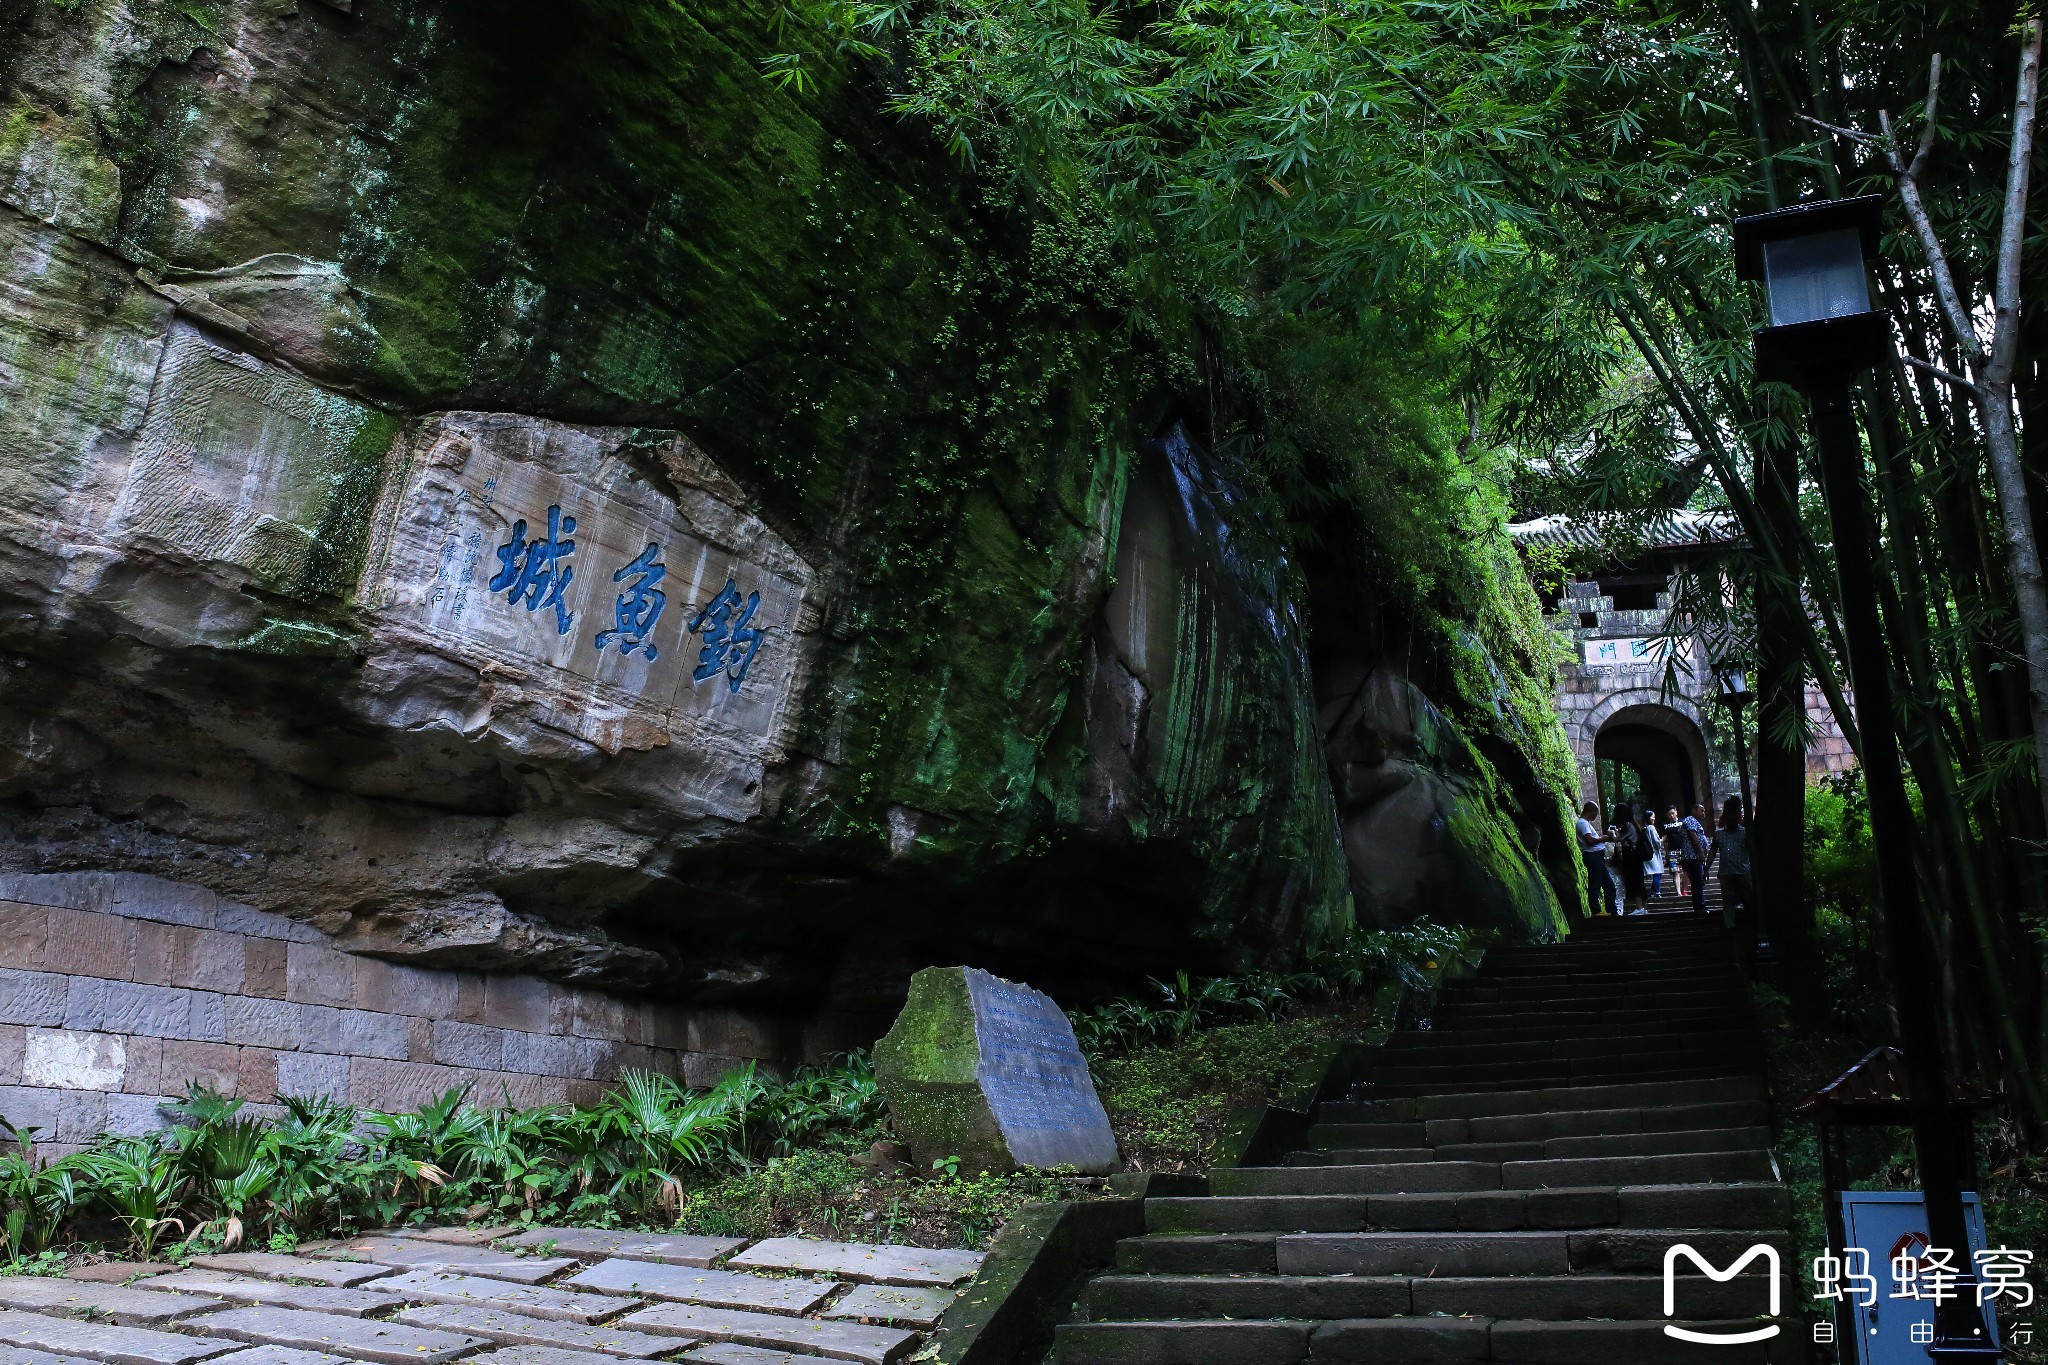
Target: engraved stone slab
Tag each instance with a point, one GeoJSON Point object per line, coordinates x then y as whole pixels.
{"type": "Point", "coordinates": [815, 1336]}
{"type": "Point", "coordinates": [720, 1287]}
{"type": "Point", "coordinates": [595, 1244]}
{"type": "Point", "coordinates": [392, 1343]}
{"type": "Point", "coordinates": [426, 1286]}
{"type": "Point", "coordinates": [279, 1355]}
{"type": "Point", "coordinates": [861, 1261]}
{"type": "Point", "coordinates": [314, 1298]}
{"type": "Point", "coordinates": [518, 1329]}
{"type": "Point", "coordinates": [901, 1304]}
{"type": "Point", "coordinates": [989, 1071]}
{"type": "Point", "coordinates": [273, 1265]}
{"type": "Point", "coordinates": [497, 1265]}
{"type": "Point", "coordinates": [105, 1341]}
{"type": "Point", "coordinates": [614, 587]}
{"type": "Point", "coordinates": [80, 1299]}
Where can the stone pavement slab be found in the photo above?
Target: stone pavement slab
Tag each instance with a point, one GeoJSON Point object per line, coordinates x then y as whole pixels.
{"type": "Point", "coordinates": [482, 1235]}
{"type": "Point", "coordinates": [860, 1261]}
{"type": "Point", "coordinates": [725, 1353]}
{"type": "Point", "coordinates": [839, 1340]}
{"type": "Point", "coordinates": [16, 1355]}
{"type": "Point", "coordinates": [117, 1272]}
{"type": "Point", "coordinates": [272, 1265]}
{"type": "Point", "coordinates": [433, 1286]}
{"type": "Point", "coordinates": [517, 1329]}
{"type": "Point", "coordinates": [247, 1289]}
{"type": "Point", "coordinates": [541, 1355]}
{"type": "Point", "coordinates": [498, 1265]}
{"type": "Point", "coordinates": [280, 1355]}
{"type": "Point", "coordinates": [392, 1343]}
{"type": "Point", "coordinates": [104, 1302]}
{"type": "Point", "coordinates": [720, 1287]}
{"type": "Point", "coordinates": [901, 1304]}
{"type": "Point", "coordinates": [104, 1341]}
{"type": "Point", "coordinates": [592, 1244]}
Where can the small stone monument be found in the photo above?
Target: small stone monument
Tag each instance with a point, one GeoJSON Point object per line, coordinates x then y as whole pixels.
{"type": "Point", "coordinates": [988, 1070]}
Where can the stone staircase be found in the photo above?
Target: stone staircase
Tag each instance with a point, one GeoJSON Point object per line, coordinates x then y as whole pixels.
{"type": "Point", "coordinates": [1501, 1187]}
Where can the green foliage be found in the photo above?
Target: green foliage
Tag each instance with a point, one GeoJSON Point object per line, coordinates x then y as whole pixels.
{"type": "Point", "coordinates": [218, 1177]}
{"type": "Point", "coordinates": [1356, 965]}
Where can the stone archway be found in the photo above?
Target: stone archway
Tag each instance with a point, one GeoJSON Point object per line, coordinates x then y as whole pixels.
{"type": "Point", "coordinates": [1663, 738]}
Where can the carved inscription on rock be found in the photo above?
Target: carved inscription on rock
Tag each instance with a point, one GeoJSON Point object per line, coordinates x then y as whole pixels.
{"type": "Point", "coordinates": [613, 585]}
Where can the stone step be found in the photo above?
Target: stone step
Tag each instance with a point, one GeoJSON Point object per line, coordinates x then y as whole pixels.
{"type": "Point", "coordinates": [1131, 1298]}
{"type": "Point", "coordinates": [1605, 1251]}
{"type": "Point", "coordinates": [389, 1343]}
{"type": "Point", "coordinates": [1756, 1139]}
{"type": "Point", "coordinates": [1605, 1022]}
{"type": "Point", "coordinates": [1620, 978]}
{"type": "Point", "coordinates": [1419, 1178]}
{"type": "Point", "coordinates": [1718, 1070]}
{"type": "Point", "coordinates": [1415, 1068]}
{"type": "Point", "coordinates": [1382, 1156]}
{"type": "Point", "coordinates": [1566, 999]}
{"type": "Point", "coordinates": [1549, 1101]}
{"type": "Point", "coordinates": [1696, 1168]}
{"type": "Point", "coordinates": [1444, 1133]}
{"type": "Point", "coordinates": [1477, 1211]}
{"type": "Point", "coordinates": [1596, 1122]}
{"type": "Point", "coordinates": [1451, 1046]}
{"type": "Point", "coordinates": [1482, 1029]}
{"type": "Point", "coordinates": [1416, 1341]}
{"type": "Point", "coordinates": [1180, 1254]}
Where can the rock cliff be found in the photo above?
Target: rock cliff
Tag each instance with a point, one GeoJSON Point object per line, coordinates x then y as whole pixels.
{"type": "Point", "coordinates": [503, 484]}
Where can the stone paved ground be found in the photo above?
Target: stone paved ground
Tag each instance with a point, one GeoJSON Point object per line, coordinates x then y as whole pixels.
{"type": "Point", "coordinates": [546, 1296]}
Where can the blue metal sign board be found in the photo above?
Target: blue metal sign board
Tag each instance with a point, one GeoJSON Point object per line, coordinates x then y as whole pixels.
{"type": "Point", "coordinates": [1887, 1224]}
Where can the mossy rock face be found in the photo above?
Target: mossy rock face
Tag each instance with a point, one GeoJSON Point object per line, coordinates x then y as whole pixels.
{"type": "Point", "coordinates": [1056, 710]}
{"type": "Point", "coordinates": [988, 1071]}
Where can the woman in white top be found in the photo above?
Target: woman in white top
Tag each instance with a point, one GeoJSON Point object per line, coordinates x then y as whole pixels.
{"type": "Point", "coordinates": [1653, 843]}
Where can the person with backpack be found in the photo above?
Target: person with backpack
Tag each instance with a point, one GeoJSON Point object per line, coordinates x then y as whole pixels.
{"type": "Point", "coordinates": [1653, 865]}
{"type": "Point", "coordinates": [1634, 855]}
{"type": "Point", "coordinates": [1694, 855]}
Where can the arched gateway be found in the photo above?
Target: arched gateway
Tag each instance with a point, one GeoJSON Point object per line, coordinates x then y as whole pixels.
{"type": "Point", "coordinates": [1634, 739]}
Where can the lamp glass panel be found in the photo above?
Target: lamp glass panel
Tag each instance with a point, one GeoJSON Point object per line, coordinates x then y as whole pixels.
{"type": "Point", "coordinates": [1816, 276]}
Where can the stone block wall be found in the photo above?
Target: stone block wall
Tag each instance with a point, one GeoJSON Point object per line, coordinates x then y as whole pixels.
{"type": "Point", "coordinates": [117, 990]}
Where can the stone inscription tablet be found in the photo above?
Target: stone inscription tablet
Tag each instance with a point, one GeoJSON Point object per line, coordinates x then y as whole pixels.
{"type": "Point", "coordinates": [1035, 1079]}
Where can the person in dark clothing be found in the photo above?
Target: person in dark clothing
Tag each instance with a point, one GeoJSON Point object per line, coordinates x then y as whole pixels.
{"type": "Point", "coordinates": [1738, 886]}
{"type": "Point", "coordinates": [1593, 853]}
{"type": "Point", "coordinates": [1633, 857]}
{"type": "Point", "coordinates": [1693, 855]}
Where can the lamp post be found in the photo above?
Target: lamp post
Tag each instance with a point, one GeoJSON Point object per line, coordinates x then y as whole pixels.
{"type": "Point", "coordinates": [1734, 684]}
{"type": "Point", "coordinates": [1823, 332]}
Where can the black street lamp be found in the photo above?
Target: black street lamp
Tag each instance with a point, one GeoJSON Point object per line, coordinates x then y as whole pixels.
{"type": "Point", "coordinates": [1823, 332]}
{"type": "Point", "coordinates": [1734, 687]}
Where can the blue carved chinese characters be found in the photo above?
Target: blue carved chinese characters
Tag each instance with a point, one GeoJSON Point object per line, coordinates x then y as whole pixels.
{"type": "Point", "coordinates": [730, 642]}
{"type": "Point", "coordinates": [638, 607]}
{"type": "Point", "coordinates": [532, 573]}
